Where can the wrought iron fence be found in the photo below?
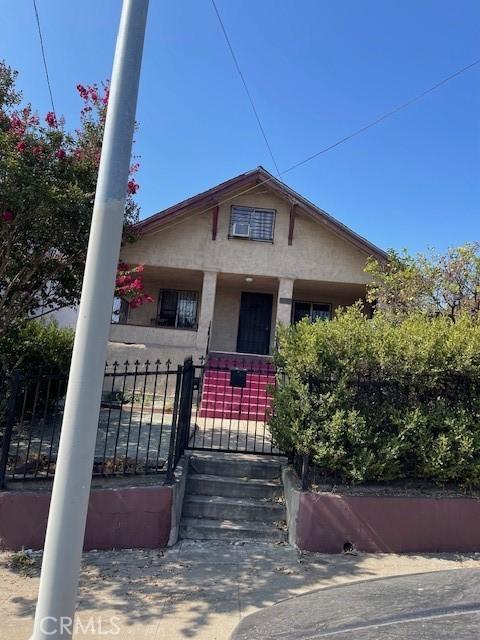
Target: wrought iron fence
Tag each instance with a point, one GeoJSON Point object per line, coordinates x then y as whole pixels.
{"type": "Point", "coordinates": [232, 405]}
{"type": "Point", "coordinates": [136, 426]}
{"type": "Point", "coordinates": [149, 414]}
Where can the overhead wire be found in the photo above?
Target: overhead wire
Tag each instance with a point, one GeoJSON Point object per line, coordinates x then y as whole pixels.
{"type": "Point", "coordinates": [354, 133]}
{"type": "Point", "coordinates": [383, 117]}
{"type": "Point", "coordinates": [247, 91]}
{"type": "Point", "coordinates": [42, 46]}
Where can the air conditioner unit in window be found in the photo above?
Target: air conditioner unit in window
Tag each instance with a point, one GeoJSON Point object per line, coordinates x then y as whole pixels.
{"type": "Point", "coordinates": [241, 229]}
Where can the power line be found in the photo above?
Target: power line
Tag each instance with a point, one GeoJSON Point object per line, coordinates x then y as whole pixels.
{"type": "Point", "coordinates": [242, 77]}
{"type": "Point", "coordinates": [357, 132]}
{"type": "Point", "coordinates": [43, 55]}
{"type": "Point", "coordinates": [383, 117]}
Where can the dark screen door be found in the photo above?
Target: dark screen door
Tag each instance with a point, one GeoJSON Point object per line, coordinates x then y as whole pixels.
{"type": "Point", "coordinates": [254, 323]}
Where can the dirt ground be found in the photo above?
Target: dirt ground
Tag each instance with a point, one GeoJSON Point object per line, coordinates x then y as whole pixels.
{"type": "Point", "coordinates": [195, 590]}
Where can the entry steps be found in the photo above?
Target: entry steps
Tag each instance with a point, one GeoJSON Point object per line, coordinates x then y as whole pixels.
{"type": "Point", "coordinates": [234, 497]}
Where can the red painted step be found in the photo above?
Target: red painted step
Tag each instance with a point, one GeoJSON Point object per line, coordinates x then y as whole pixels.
{"type": "Point", "coordinates": [220, 400]}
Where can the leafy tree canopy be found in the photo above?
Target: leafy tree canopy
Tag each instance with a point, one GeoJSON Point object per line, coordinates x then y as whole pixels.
{"type": "Point", "coordinates": [435, 284]}
{"type": "Point", "coordinates": [47, 187]}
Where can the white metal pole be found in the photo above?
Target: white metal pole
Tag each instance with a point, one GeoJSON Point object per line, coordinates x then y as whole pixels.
{"type": "Point", "coordinates": [71, 487]}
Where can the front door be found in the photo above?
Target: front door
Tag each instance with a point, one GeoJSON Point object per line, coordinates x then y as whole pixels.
{"type": "Point", "coordinates": [254, 323]}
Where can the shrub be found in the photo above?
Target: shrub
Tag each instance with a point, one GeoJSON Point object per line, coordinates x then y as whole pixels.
{"type": "Point", "coordinates": [33, 347]}
{"type": "Point", "coordinates": [382, 399]}
{"type": "Point", "coordinates": [36, 344]}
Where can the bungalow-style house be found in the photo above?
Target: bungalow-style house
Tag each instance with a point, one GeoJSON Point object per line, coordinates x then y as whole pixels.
{"type": "Point", "coordinates": [225, 266]}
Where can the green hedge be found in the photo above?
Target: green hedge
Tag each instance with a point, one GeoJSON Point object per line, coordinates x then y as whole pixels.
{"type": "Point", "coordinates": [381, 400]}
{"type": "Point", "coordinates": [36, 344]}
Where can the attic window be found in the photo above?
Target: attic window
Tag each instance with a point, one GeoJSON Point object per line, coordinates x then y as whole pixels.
{"type": "Point", "coordinates": [251, 223]}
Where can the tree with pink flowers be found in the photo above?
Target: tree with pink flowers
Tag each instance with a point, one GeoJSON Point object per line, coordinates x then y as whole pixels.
{"type": "Point", "coordinates": [129, 285]}
{"type": "Point", "coordinates": [47, 187]}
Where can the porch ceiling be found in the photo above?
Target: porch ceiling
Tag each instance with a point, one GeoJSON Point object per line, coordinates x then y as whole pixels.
{"type": "Point", "coordinates": [238, 281]}
{"type": "Point", "coordinates": [331, 288]}
{"type": "Point", "coordinates": [176, 277]}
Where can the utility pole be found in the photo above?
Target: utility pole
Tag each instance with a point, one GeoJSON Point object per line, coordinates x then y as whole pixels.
{"type": "Point", "coordinates": [71, 488]}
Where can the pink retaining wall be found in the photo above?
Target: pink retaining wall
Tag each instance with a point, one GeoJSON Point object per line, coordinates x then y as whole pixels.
{"type": "Point", "coordinates": [325, 522]}
{"type": "Point", "coordinates": [126, 518]}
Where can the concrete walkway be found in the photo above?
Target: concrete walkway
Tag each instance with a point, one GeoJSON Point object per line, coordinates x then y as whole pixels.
{"type": "Point", "coordinates": [197, 590]}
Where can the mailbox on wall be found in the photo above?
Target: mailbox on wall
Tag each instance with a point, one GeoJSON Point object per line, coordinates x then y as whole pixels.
{"type": "Point", "coordinates": [238, 378]}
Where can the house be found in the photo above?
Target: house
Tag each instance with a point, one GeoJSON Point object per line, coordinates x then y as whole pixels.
{"type": "Point", "coordinates": [225, 266]}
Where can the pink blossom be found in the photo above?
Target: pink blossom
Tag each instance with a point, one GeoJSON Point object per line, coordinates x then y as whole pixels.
{"type": "Point", "coordinates": [123, 266]}
{"type": "Point", "coordinates": [37, 150]}
{"type": "Point", "coordinates": [132, 187]}
{"type": "Point", "coordinates": [21, 146]}
{"type": "Point", "coordinates": [82, 91]}
{"type": "Point", "coordinates": [124, 280]}
{"type": "Point", "coordinates": [60, 153]}
{"type": "Point", "coordinates": [51, 119]}
{"type": "Point", "coordinates": [17, 126]}
{"type": "Point", "coordinates": [139, 268]}
{"type": "Point", "coordinates": [137, 284]}
{"type": "Point", "coordinates": [7, 216]}
{"type": "Point", "coordinates": [136, 302]}
{"type": "Point", "coordinates": [27, 116]}
{"type": "Point", "coordinates": [125, 290]}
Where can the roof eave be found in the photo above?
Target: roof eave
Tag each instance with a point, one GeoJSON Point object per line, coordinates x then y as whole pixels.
{"type": "Point", "coordinates": [212, 197]}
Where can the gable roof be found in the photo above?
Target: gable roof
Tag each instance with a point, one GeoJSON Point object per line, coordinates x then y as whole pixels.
{"type": "Point", "coordinates": [245, 183]}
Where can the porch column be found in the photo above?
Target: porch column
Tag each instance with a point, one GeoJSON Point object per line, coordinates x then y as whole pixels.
{"type": "Point", "coordinates": [206, 308]}
{"type": "Point", "coordinates": [284, 300]}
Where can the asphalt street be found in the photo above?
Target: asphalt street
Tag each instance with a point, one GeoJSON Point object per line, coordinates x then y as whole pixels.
{"type": "Point", "coordinates": [429, 606]}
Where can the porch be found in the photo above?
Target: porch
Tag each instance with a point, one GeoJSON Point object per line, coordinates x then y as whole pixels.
{"type": "Point", "coordinates": [228, 313]}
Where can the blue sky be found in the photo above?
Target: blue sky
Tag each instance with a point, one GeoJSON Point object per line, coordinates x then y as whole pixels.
{"type": "Point", "coordinates": [317, 71]}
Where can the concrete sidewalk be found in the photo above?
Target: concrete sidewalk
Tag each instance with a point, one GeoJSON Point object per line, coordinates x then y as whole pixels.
{"type": "Point", "coordinates": [197, 589]}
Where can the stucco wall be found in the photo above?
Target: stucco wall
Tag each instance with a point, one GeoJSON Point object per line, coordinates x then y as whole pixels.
{"type": "Point", "coordinates": [316, 253]}
{"type": "Point", "coordinates": [325, 522]}
{"type": "Point", "coordinates": [225, 320]}
{"type": "Point", "coordinates": [381, 524]}
{"type": "Point", "coordinates": [322, 266]}
{"type": "Point", "coordinates": [123, 518]}
{"type": "Point", "coordinates": [135, 334]}
{"type": "Point", "coordinates": [122, 352]}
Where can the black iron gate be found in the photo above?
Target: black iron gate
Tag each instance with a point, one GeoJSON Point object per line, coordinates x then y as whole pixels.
{"type": "Point", "coordinates": [232, 401]}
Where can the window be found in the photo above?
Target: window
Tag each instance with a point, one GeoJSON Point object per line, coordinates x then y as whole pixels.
{"type": "Point", "coordinates": [177, 309]}
{"type": "Point", "coordinates": [252, 224]}
{"type": "Point", "coordinates": [312, 310]}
